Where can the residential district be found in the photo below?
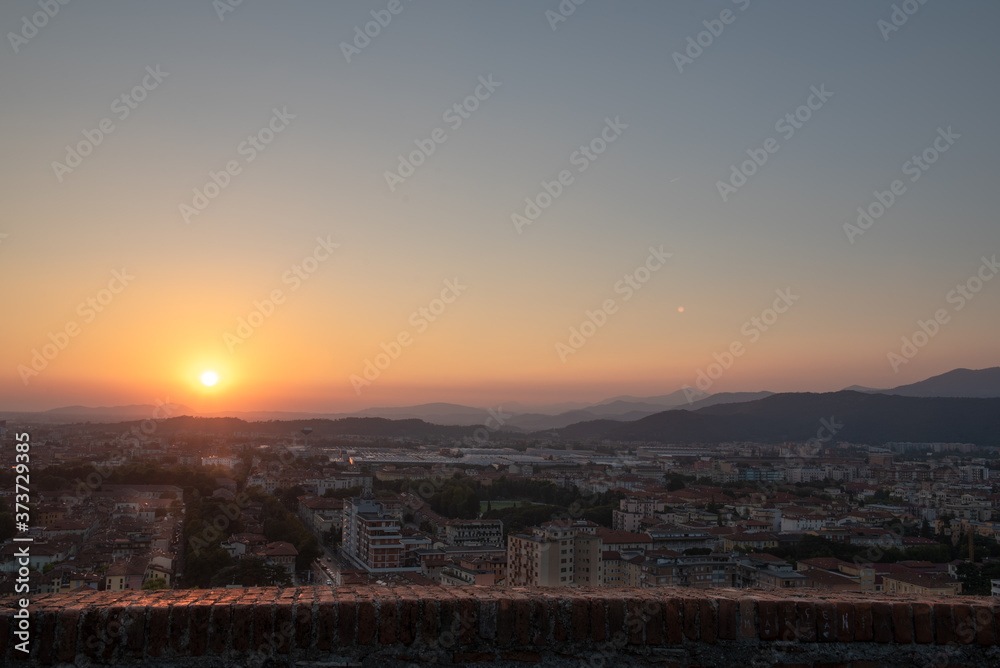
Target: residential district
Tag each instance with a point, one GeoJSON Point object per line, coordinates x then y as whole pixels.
{"type": "Point", "coordinates": [114, 512]}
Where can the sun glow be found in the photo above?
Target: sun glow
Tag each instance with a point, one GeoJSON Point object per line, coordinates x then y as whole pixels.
{"type": "Point", "coordinates": [209, 378]}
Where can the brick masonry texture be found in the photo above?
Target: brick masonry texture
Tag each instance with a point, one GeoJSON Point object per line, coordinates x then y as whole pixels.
{"type": "Point", "coordinates": [401, 626]}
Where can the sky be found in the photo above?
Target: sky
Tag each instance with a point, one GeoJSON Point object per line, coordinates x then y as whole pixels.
{"type": "Point", "coordinates": [351, 204]}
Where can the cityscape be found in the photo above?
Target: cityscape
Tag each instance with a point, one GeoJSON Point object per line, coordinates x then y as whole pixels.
{"type": "Point", "coordinates": [193, 502]}
{"type": "Point", "coordinates": [572, 332]}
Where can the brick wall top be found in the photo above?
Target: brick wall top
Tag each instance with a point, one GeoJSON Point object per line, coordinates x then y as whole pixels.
{"type": "Point", "coordinates": [499, 626]}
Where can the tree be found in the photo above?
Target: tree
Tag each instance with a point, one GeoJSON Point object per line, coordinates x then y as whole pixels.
{"type": "Point", "coordinates": [154, 584]}
{"type": "Point", "coordinates": [202, 565]}
{"type": "Point", "coordinates": [675, 483]}
{"type": "Point", "coordinates": [925, 529]}
{"type": "Point", "coordinates": [252, 572]}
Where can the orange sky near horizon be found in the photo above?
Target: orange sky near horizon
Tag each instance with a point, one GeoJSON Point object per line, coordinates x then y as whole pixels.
{"type": "Point", "coordinates": [299, 277]}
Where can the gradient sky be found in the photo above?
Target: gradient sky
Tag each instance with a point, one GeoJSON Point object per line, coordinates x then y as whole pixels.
{"type": "Point", "coordinates": [323, 176]}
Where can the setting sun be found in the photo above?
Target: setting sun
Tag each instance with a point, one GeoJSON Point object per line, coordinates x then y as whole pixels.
{"type": "Point", "coordinates": [209, 378]}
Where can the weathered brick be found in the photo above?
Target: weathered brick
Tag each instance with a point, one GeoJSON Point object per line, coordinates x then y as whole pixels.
{"type": "Point", "coordinates": [217, 623]}
{"type": "Point", "coordinates": [221, 623]}
{"type": "Point", "coordinates": [367, 625]}
{"type": "Point", "coordinates": [388, 623]}
{"type": "Point", "coordinates": [882, 622]}
{"type": "Point", "coordinates": [616, 618]}
{"type": "Point", "coordinates": [691, 621]}
{"type": "Point", "coordinates": [561, 619]}
{"type": "Point", "coordinates": [902, 622]}
{"type": "Point", "coordinates": [984, 624]}
{"type": "Point", "coordinates": [845, 621]}
{"type": "Point", "coordinates": [201, 614]}
{"type": "Point", "coordinates": [767, 613]}
{"type": "Point", "coordinates": [179, 619]}
{"type": "Point", "coordinates": [580, 611]}
{"type": "Point", "coordinates": [284, 625]}
{"type": "Point", "coordinates": [598, 619]}
{"type": "Point", "coordinates": [428, 621]}
{"type": "Point", "coordinates": [159, 626]}
{"type": "Point", "coordinates": [944, 625]}
{"type": "Point", "coordinates": [46, 636]}
{"type": "Point", "coordinates": [303, 623]}
{"type": "Point", "coordinates": [451, 621]}
{"type": "Point", "coordinates": [543, 619]}
{"type": "Point", "coordinates": [263, 627]}
{"type": "Point", "coordinates": [787, 628]}
{"type": "Point", "coordinates": [965, 624]}
{"type": "Point", "coordinates": [634, 623]}
{"type": "Point", "coordinates": [654, 621]}
{"type": "Point", "coordinates": [242, 625]}
{"type": "Point", "coordinates": [326, 625]}
{"type": "Point", "coordinates": [347, 618]}
{"type": "Point", "coordinates": [709, 622]}
{"type": "Point", "coordinates": [408, 616]}
{"type": "Point", "coordinates": [863, 631]}
{"type": "Point", "coordinates": [115, 630]}
{"type": "Point", "coordinates": [805, 612]}
{"type": "Point", "coordinates": [470, 620]}
{"type": "Point", "coordinates": [92, 632]}
{"type": "Point", "coordinates": [748, 618]}
{"type": "Point", "coordinates": [672, 621]}
{"type": "Point", "coordinates": [923, 631]}
{"type": "Point", "coordinates": [505, 621]}
{"type": "Point", "coordinates": [826, 621]}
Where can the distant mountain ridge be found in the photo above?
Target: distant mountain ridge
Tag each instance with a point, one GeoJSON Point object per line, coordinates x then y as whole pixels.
{"type": "Point", "coordinates": [982, 383]}
{"type": "Point", "coordinates": [861, 418]}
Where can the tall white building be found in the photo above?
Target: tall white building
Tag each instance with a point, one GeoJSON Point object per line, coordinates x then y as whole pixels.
{"type": "Point", "coordinates": [372, 538]}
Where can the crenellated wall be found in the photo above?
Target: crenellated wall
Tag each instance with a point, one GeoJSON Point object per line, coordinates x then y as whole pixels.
{"type": "Point", "coordinates": [383, 626]}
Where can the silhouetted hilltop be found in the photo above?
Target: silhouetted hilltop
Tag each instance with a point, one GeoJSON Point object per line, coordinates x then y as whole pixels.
{"type": "Point", "coordinates": [865, 418]}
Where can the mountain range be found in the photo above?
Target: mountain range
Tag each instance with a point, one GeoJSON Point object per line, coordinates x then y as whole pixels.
{"type": "Point", "coordinates": [634, 410]}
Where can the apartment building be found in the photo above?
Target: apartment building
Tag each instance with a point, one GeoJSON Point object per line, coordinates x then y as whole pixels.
{"type": "Point", "coordinates": [372, 538]}
{"type": "Point", "coordinates": [474, 532]}
{"type": "Point", "coordinates": [557, 554]}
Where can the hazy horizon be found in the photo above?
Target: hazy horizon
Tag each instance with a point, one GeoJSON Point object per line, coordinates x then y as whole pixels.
{"type": "Point", "coordinates": [598, 205]}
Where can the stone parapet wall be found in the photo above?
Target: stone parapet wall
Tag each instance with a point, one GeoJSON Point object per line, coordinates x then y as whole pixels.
{"type": "Point", "coordinates": [388, 626]}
